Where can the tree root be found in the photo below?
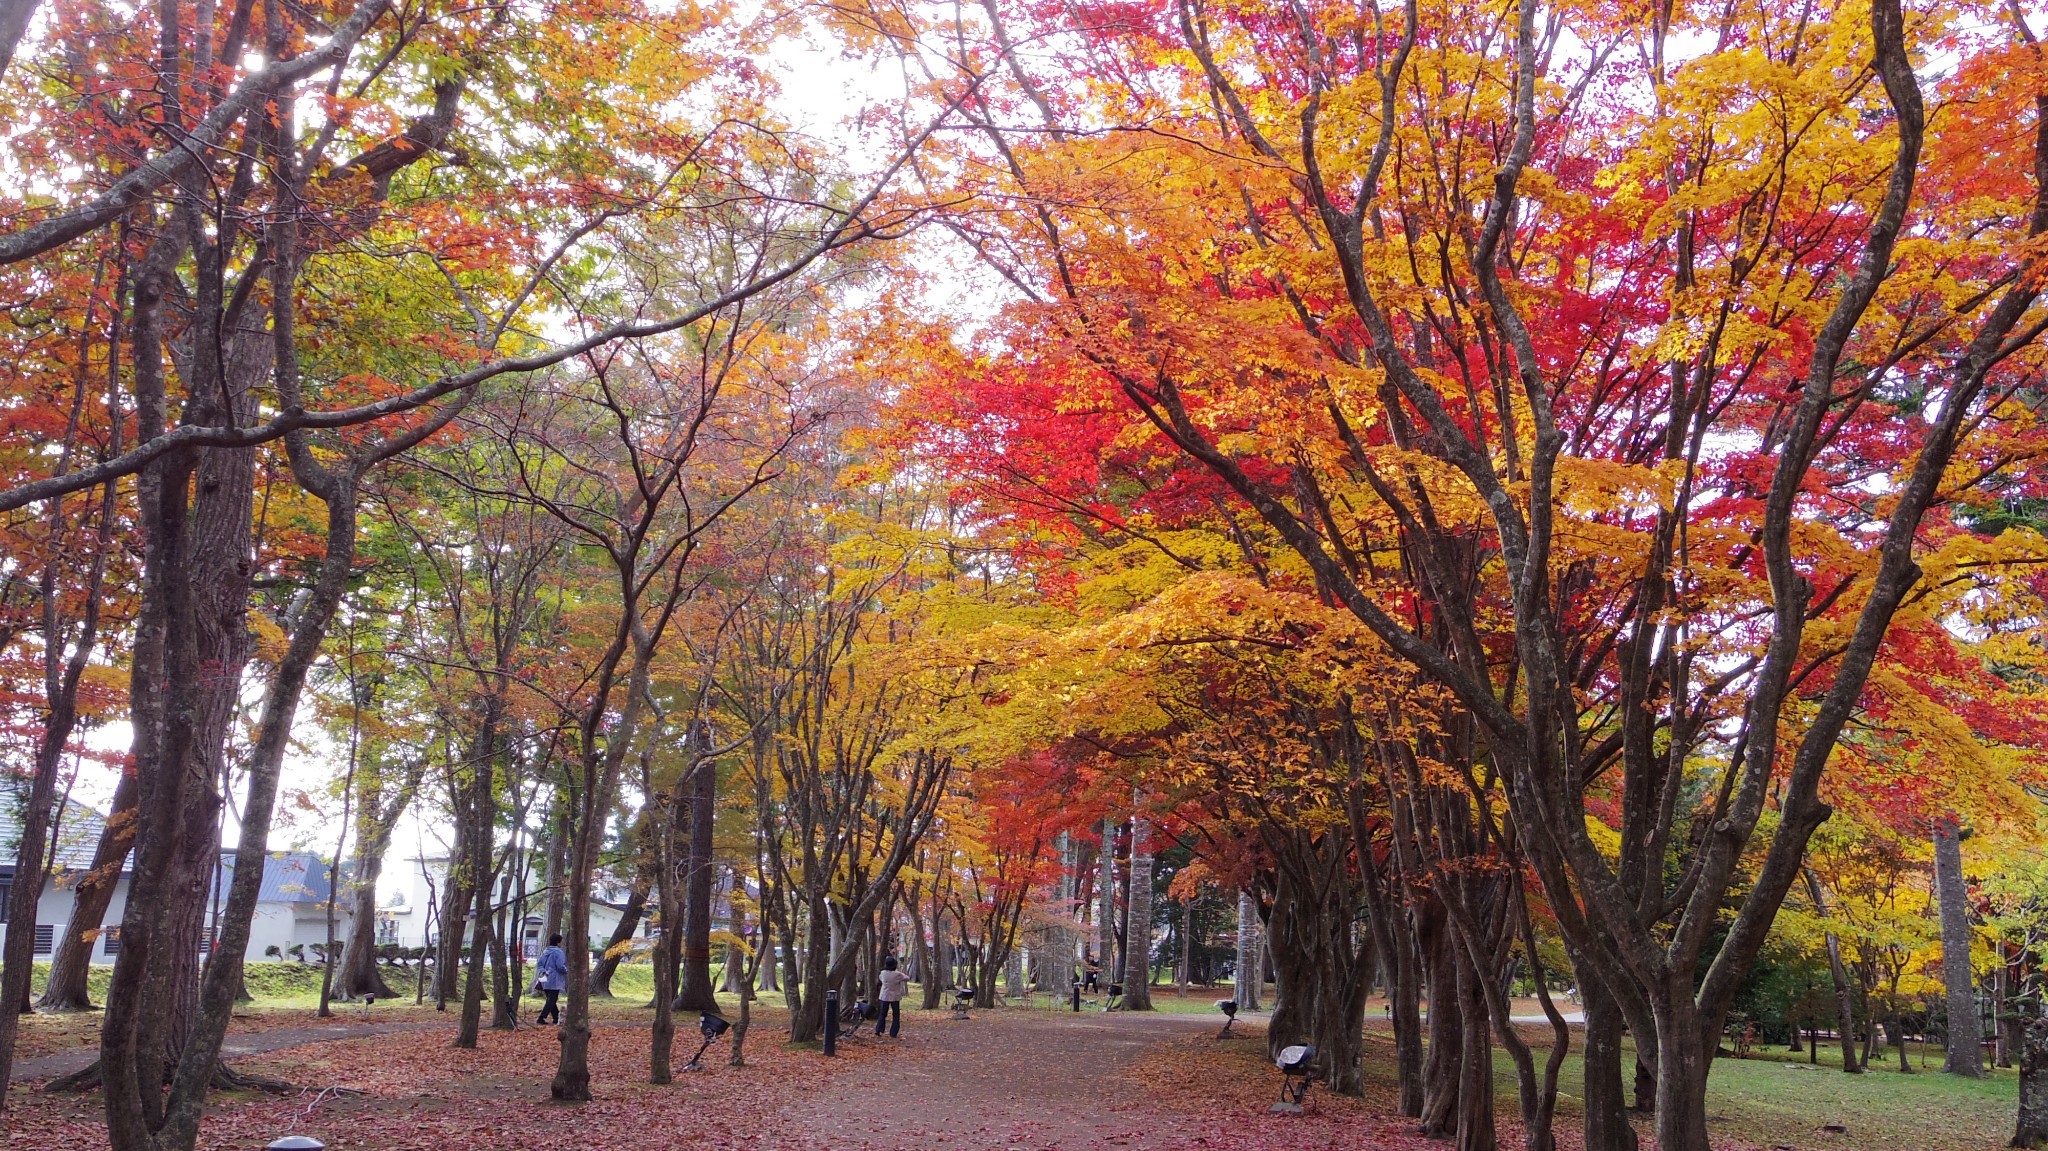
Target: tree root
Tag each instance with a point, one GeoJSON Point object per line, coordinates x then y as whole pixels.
{"type": "Point", "coordinates": [79, 1082]}
{"type": "Point", "coordinates": [226, 1078]}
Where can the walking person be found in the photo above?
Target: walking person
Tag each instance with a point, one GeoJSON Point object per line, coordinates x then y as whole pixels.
{"type": "Point", "coordinates": [894, 984]}
{"type": "Point", "coordinates": [550, 976]}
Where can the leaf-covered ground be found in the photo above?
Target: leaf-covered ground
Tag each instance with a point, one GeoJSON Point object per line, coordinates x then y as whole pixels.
{"type": "Point", "coordinates": [421, 1093]}
{"type": "Point", "coordinates": [1009, 1080]}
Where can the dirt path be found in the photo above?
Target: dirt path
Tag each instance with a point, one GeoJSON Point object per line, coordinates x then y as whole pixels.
{"type": "Point", "coordinates": [1006, 1080]}
{"type": "Point", "coordinates": [236, 1046]}
{"type": "Point", "coordinates": [1001, 1080]}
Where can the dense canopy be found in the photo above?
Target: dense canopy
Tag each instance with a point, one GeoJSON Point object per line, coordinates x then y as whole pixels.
{"type": "Point", "coordinates": [1479, 508]}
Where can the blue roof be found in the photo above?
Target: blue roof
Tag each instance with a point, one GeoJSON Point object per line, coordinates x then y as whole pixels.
{"type": "Point", "coordinates": [78, 832]}
{"type": "Point", "coordinates": [288, 876]}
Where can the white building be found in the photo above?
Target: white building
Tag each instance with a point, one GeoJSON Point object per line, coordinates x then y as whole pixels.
{"type": "Point", "coordinates": [409, 905]}
{"type": "Point", "coordinates": [291, 908]}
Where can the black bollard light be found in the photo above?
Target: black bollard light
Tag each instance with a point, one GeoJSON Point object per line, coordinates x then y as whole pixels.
{"type": "Point", "coordinates": [1229, 1009]}
{"type": "Point", "coordinates": [1077, 995]}
{"type": "Point", "coordinates": [712, 1027]}
{"type": "Point", "coordinates": [1297, 1071]}
{"type": "Point", "coordinates": [832, 1022]}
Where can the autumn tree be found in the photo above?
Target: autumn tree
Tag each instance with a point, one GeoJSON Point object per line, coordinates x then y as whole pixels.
{"type": "Point", "coordinates": [1433, 303]}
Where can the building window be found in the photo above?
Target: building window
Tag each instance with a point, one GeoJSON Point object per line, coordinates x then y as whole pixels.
{"type": "Point", "coordinates": [110, 941]}
{"type": "Point", "coordinates": [46, 938]}
{"type": "Point", "coordinates": [6, 897]}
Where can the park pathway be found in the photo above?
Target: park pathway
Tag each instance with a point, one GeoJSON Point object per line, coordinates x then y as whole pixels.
{"type": "Point", "coordinates": [1005, 1079]}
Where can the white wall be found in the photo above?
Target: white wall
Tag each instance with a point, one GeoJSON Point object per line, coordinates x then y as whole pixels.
{"type": "Point", "coordinates": [276, 924]}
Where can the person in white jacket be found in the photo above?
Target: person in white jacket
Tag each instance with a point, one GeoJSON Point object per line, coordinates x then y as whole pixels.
{"type": "Point", "coordinates": [894, 984]}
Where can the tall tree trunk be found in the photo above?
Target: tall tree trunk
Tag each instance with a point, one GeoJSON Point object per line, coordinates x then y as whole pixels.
{"type": "Point", "coordinates": [1682, 1065]}
{"type": "Point", "coordinates": [807, 1021]}
{"type": "Point", "coordinates": [1052, 955]}
{"type": "Point", "coordinates": [922, 966]}
{"type": "Point", "coordinates": [515, 924]}
{"type": "Point", "coordinates": [25, 896]}
{"type": "Point", "coordinates": [881, 938]}
{"type": "Point", "coordinates": [153, 1000]}
{"type": "Point", "coordinates": [70, 969]}
{"type": "Point", "coordinates": [558, 855]}
{"type": "Point", "coordinates": [1404, 1010]}
{"type": "Point", "coordinates": [1475, 1129]}
{"type": "Point", "coordinates": [360, 974]}
{"type": "Point", "coordinates": [503, 938]}
{"type": "Point", "coordinates": [668, 951]}
{"type": "Point", "coordinates": [1845, 1014]}
{"type": "Point", "coordinates": [1137, 964]}
{"type": "Point", "coordinates": [733, 978]}
{"type": "Point", "coordinates": [1105, 897]}
{"type": "Point", "coordinates": [1182, 975]}
{"type": "Point", "coordinates": [194, 730]}
{"type": "Point", "coordinates": [482, 820]}
{"type": "Point", "coordinates": [697, 994]}
{"type": "Point", "coordinates": [677, 888]}
{"type": "Point", "coordinates": [1446, 1031]}
{"type": "Point", "coordinates": [456, 894]}
{"type": "Point", "coordinates": [1607, 1127]}
{"type": "Point", "coordinates": [571, 1083]}
{"type": "Point", "coordinates": [2005, 1009]}
{"type": "Point", "coordinates": [1965, 1035]}
{"type": "Point", "coordinates": [766, 950]}
{"type": "Point", "coordinates": [938, 975]}
{"type": "Point", "coordinates": [2031, 1130]}
{"type": "Point", "coordinates": [1246, 967]}
{"type": "Point", "coordinates": [792, 966]}
{"type": "Point", "coordinates": [1320, 977]}
{"type": "Point", "coordinates": [600, 769]}
{"type": "Point", "coordinates": [330, 959]}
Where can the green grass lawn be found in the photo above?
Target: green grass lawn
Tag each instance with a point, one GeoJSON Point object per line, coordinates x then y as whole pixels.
{"type": "Point", "coordinates": [1774, 1099]}
{"type": "Point", "coordinates": [270, 983]}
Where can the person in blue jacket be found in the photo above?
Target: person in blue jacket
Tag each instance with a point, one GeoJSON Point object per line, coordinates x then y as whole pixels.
{"type": "Point", "coordinates": [551, 975]}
